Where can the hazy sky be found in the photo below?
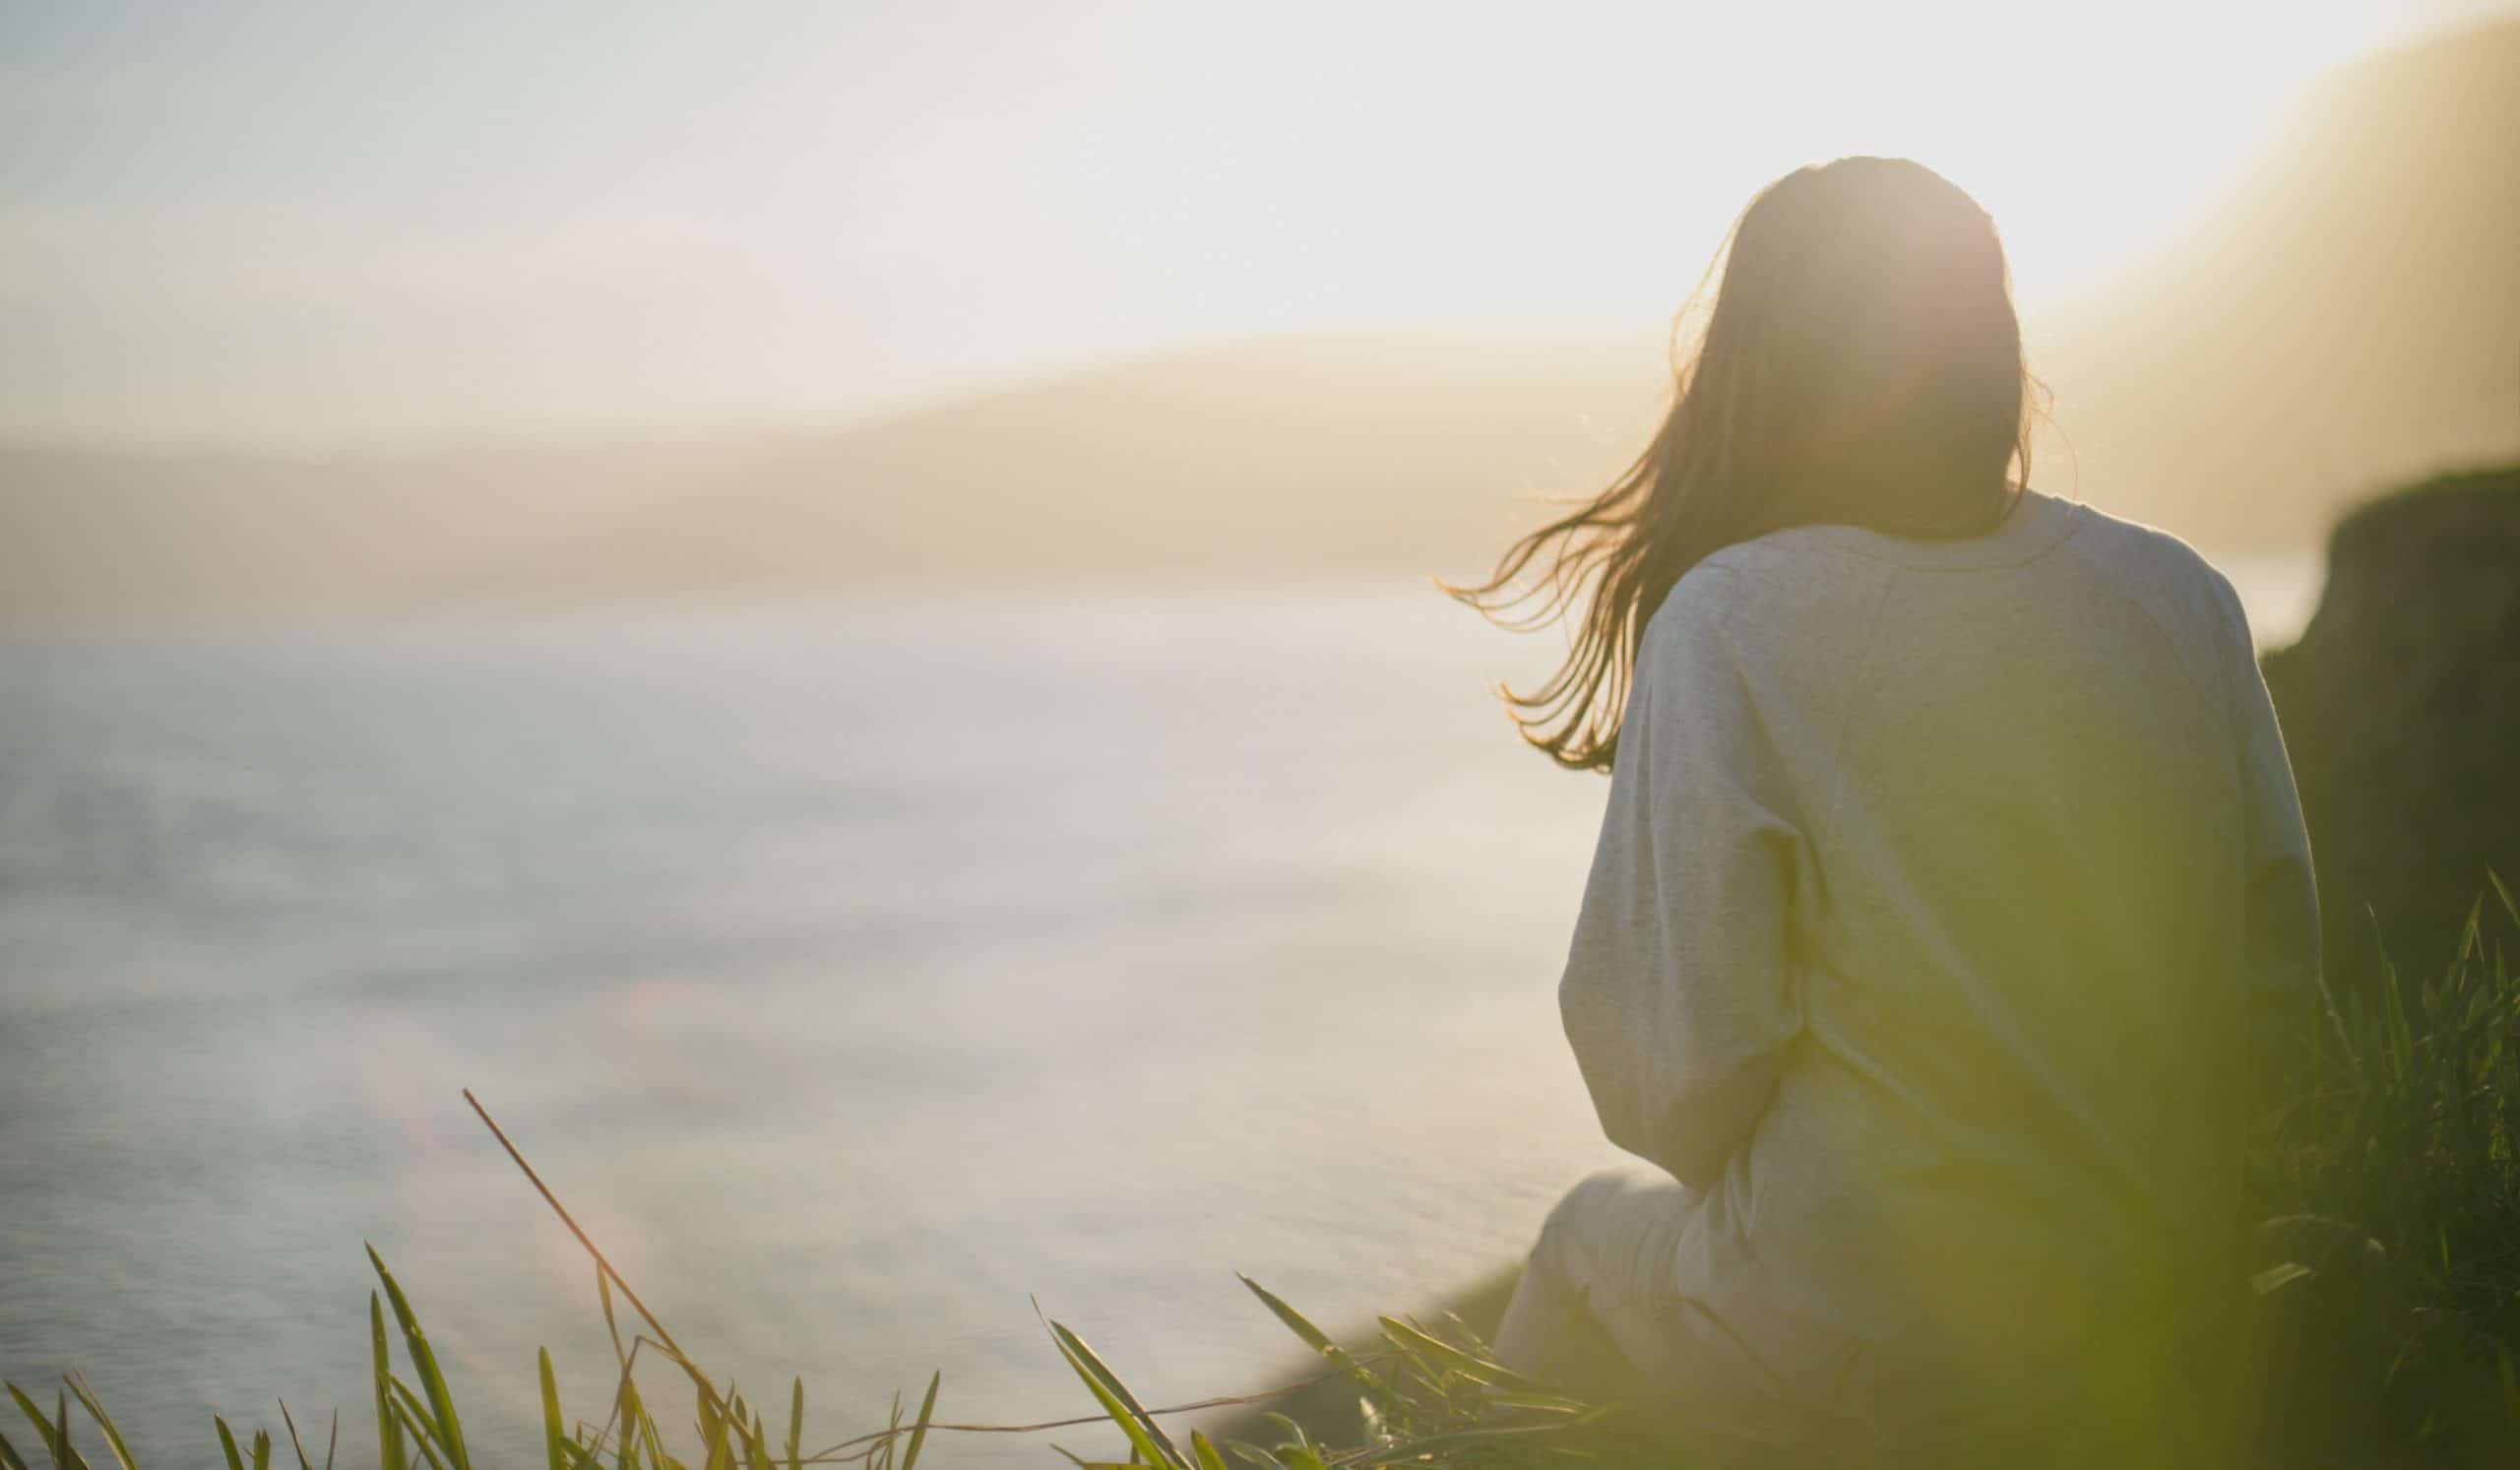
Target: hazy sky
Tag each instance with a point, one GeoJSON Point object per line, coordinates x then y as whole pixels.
{"type": "Point", "coordinates": [326, 221]}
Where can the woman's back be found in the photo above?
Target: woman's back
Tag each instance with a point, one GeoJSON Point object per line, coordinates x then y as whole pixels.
{"type": "Point", "coordinates": [1950, 839]}
{"type": "Point", "coordinates": [1959, 844]}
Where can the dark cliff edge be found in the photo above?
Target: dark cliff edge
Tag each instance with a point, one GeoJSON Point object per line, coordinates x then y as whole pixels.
{"type": "Point", "coordinates": [2401, 712]}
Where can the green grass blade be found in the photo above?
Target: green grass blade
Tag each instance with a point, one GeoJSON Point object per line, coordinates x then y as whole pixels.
{"type": "Point", "coordinates": [61, 1432]}
{"type": "Point", "coordinates": [424, 1362]}
{"type": "Point", "coordinates": [405, 1409]}
{"type": "Point", "coordinates": [1254, 1454]}
{"type": "Point", "coordinates": [603, 1295]}
{"type": "Point", "coordinates": [1319, 1341]}
{"type": "Point", "coordinates": [1115, 1400]}
{"type": "Point", "coordinates": [555, 1434]}
{"type": "Point", "coordinates": [652, 1442]}
{"type": "Point", "coordinates": [294, 1443]}
{"type": "Point", "coordinates": [43, 1426]}
{"type": "Point", "coordinates": [1542, 1403]}
{"type": "Point", "coordinates": [390, 1453]}
{"type": "Point", "coordinates": [104, 1421]}
{"type": "Point", "coordinates": [631, 1412]}
{"type": "Point", "coordinates": [262, 1449]}
{"type": "Point", "coordinates": [227, 1444]}
{"type": "Point", "coordinates": [712, 1428]}
{"type": "Point", "coordinates": [1204, 1453]}
{"type": "Point", "coordinates": [9, 1456]}
{"type": "Point", "coordinates": [34, 1416]}
{"type": "Point", "coordinates": [721, 1456]}
{"type": "Point", "coordinates": [926, 1415]}
{"type": "Point", "coordinates": [423, 1423]}
{"type": "Point", "coordinates": [713, 1435]}
{"type": "Point", "coordinates": [1492, 1435]}
{"type": "Point", "coordinates": [64, 1453]}
{"type": "Point", "coordinates": [1434, 1348]}
{"type": "Point", "coordinates": [797, 1427]}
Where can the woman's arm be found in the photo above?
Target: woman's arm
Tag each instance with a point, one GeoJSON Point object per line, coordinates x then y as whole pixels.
{"type": "Point", "coordinates": [2281, 894]}
{"type": "Point", "coordinates": [1676, 996]}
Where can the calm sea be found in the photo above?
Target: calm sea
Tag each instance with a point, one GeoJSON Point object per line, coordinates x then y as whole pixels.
{"type": "Point", "coordinates": [858, 973]}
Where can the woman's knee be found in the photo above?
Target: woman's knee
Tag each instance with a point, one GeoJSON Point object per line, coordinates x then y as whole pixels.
{"type": "Point", "coordinates": [1607, 1190]}
{"type": "Point", "coordinates": [1604, 1206]}
{"type": "Point", "coordinates": [1586, 1314]}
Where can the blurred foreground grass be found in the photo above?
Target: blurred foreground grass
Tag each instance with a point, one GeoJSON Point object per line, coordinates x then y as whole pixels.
{"type": "Point", "coordinates": [2387, 1291]}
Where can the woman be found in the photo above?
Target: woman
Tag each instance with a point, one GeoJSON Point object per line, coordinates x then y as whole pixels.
{"type": "Point", "coordinates": [1950, 840]}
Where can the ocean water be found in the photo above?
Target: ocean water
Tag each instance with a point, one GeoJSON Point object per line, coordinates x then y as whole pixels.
{"type": "Point", "coordinates": [860, 973]}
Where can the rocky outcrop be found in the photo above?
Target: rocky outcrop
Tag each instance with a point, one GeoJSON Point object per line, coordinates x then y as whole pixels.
{"type": "Point", "coordinates": [2401, 710]}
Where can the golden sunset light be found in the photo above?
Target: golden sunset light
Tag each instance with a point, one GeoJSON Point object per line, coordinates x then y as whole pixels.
{"type": "Point", "coordinates": [1749, 734]}
{"type": "Point", "coordinates": [371, 225]}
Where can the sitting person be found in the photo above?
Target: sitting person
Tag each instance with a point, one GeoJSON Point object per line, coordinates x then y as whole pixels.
{"type": "Point", "coordinates": [1950, 843]}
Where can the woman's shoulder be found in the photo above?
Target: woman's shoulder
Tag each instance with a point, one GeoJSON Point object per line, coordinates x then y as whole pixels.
{"type": "Point", "coordinates": [1805, 585]}
{"type": "Point", "coordinates": [2140, 541]}
{"type": "Point", "coordinates": [1786, 574]}
{"type": "Point", "coordinates": [2043, 531]}
{"type": "Point", "coordinates": [1757, 596]}
{"type": "Point", "coordinates": [2159, 568]}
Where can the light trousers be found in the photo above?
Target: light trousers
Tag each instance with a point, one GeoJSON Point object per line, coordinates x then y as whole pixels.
{"type": "Point", "coordinates": [1599, 1313]}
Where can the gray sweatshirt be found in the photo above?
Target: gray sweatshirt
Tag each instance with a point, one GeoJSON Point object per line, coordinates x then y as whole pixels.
{"type": "Point", "coordinates": [1936, 882]}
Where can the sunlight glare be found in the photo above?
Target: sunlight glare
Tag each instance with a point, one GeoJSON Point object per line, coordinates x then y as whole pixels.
{"type": "Point", "coordinates": [1603, 156]}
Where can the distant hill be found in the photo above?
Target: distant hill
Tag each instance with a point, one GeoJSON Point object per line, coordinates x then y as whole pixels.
{"type": "Point", "coordinates": [93, 537]}
{"type": "Point", "coordinates": [2347, 321]}
{"type": "Point", "coordinates": [1359, 451]}
{"type": "Point", "coordinates": [2348, 318]}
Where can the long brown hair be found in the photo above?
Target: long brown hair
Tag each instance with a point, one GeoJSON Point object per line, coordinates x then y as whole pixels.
{"type": "Point", "coordinates": [1862, 364]}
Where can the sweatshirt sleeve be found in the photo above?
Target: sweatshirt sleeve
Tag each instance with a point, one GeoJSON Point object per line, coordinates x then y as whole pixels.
{"type": "Point", "coordinates": [2281, 935]}
{"type": "Point", "coordinates": [2282, 894]}
{"type": "Point", "coordinates": [1677, 996]}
